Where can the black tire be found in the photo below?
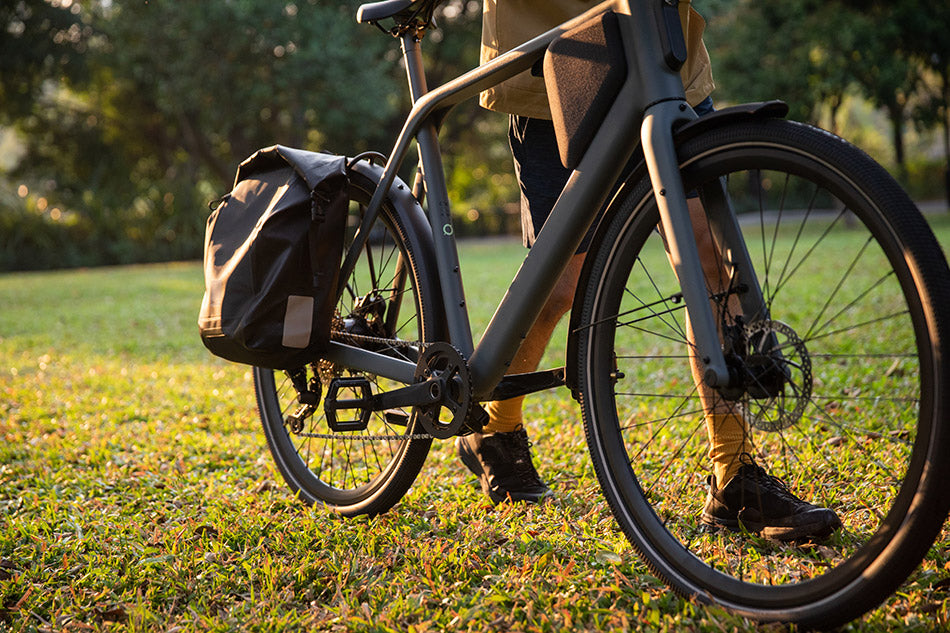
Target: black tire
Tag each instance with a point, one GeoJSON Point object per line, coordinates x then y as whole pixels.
{"type": "Point", "coordinates": [847, 263]}
{"type": "Point", "coordinates": [386, 305]}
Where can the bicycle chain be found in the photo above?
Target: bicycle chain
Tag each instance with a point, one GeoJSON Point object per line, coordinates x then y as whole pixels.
{"type": "Point", "coordinates": [369, 438]}
{"type": "Point", "coordinates": [394, 343]}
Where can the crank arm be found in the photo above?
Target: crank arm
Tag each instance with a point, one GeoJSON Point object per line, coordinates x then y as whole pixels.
{"type": "Point", "coordinates": [515, 385]}
{"type": "Point", "coordinates": [419, 394]}
{"type": "Point", "coordinates": [423, 393]}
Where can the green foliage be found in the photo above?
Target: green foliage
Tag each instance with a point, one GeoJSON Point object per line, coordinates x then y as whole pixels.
{"type": "Point", "coordinates": [478, 165]}
{"type": "Point", "coordinates": [924, 179]}
{"type": "Point", "coordinates": [137, 494]}
{"type": "Point", "coordinates": [39, 40]}
{"type": "Point", "coordinates": [230, 77]}
{"type": "Point", "coordinates": [813, 54]}
{"type": "Point", "coordinates": [803, 51]}
{"type": "Point", "coordinates": [175, 95]}
{"type": "Point", "coordinates": [132, 115]}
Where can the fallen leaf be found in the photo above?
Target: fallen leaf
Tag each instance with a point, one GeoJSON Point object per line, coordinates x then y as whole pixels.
{"type": "Point", "coordinates": [607, 557]}
{"type": "Point", "coordinates": [113, 614]}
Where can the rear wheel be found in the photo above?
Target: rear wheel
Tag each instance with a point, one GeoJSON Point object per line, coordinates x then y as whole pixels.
{"type": "Point", "coordinates": [855, 420]}
{"type": "Point", "coordinates": [357, 462]}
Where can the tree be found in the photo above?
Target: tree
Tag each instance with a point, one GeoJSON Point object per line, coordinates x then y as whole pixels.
{"type": "Point", "coordinates": [919, 31]}
{"type": "Point", "coordinates": [812, 54]}
{"type": "Point", "coordinates": [229, 77]}
{"type": "Point", "coordinates": [924, 35]}
{"type": "Point", "coordinates": [790, 50]}
{"type": "Point", "coordinates": [39, 42]}
{"type": "Point", "coordinates": [478, 164]}
{"type": "Point", "coordinates": [886, 77]}
{"type": "Point", "coordinates": [172, 96]}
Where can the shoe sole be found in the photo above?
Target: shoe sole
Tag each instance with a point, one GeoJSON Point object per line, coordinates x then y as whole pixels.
{"type": "Point", "coordinates": [819, 530]}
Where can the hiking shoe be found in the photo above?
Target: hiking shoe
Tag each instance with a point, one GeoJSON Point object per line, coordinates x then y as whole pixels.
{"type": "Point", "coordinates": [756, 501]}
{"type": "Point", "coordinates": [502, 462]}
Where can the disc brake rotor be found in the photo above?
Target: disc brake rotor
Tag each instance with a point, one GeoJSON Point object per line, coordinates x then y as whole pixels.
{"type": "Point", "coordinates": [776, 343]}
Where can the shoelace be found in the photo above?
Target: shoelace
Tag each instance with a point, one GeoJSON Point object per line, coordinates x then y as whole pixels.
{"type": "Point", "coordinates": [766, 480]}
{"type": "Point", "coordinates": [520, 446]}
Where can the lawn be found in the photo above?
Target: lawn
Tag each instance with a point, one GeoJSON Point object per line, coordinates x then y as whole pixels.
{"type": "Point", "coordinates": [137, 493]}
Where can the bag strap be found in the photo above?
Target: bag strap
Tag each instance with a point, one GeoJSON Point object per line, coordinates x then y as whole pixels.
{"type": "Point", "coordinates": [328, 204]}
{"type": "Point", "coordinates": [319, 248]}
{"type": "Point", "coordinates": [325, 175]}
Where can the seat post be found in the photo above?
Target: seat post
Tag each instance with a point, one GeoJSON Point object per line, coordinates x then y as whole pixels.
{"type": "Point", "coordinates": [412, 54]}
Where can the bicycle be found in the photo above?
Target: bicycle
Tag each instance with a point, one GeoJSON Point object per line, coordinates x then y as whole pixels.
{"type": "Point", "coordinates": [844, 384]}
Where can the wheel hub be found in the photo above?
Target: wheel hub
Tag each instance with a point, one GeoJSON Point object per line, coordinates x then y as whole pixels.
{"type": "Point", "coordinates": [775, 375]}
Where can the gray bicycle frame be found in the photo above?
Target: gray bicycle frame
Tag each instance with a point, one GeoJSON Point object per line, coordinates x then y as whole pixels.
{"type": "Point", "coordinates": [649, 106]}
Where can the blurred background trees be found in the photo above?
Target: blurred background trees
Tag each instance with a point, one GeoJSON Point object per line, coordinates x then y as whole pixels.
{"type": "Point", "coordinates": [121, 119]}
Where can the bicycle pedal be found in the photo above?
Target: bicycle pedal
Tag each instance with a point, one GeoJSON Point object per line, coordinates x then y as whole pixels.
{"type": "Point", "coordinates": [333, 404]}
{"type": "Point", "coordinates": [475, 422]}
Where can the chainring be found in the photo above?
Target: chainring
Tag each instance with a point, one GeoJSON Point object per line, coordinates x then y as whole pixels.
{"type": "Point", "coordinates": [441, 360]}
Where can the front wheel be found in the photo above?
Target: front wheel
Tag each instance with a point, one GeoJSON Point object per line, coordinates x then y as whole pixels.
{"type": "Point", "coordinates": [358, 462]}
{"type": "Point", "coordinates": [854, 415]}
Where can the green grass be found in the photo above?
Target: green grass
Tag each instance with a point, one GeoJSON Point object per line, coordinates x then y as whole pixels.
{"type": "Point", "coordinates": [137, 493]}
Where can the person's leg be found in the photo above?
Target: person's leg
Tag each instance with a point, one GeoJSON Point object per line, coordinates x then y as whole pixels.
{"type": "Point", "coordinates": [726, 427]}
{"type": "Point", "coordinates": [506, 415]}
{"type": "Point", "coordinates": [500, 455]}
{"type": "Point", "coordinates": [541, 178]}
{"type": "Point", "coordinates": [741, 493]}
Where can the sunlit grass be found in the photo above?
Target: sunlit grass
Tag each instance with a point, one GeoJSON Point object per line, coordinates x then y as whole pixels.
{"type": "Point", "coordinates": [137, 493]}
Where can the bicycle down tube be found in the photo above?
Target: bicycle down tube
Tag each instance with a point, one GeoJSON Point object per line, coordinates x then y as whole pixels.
{"type": "Point", "coordinates": [650, 103]}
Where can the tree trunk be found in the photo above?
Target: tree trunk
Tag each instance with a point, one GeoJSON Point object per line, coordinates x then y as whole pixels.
{"type": "Point", "coordinates": [834, 104]}
{"type": "Point", "coordinates": [896, 113]}
{"type": "Point", "coordinates": [197, 144]}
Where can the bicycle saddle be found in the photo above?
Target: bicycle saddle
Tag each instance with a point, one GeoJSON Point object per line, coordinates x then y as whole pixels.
{"type": "Point", "coordinates": [376, 11]}
{"type": "Point", "coordinates": [403, 12]}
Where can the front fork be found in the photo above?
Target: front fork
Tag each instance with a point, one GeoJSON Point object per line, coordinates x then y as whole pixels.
{"type": "Point", "coordinates": [663, 165]}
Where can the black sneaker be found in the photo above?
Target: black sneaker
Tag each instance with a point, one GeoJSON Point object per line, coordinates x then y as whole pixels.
{"type": "Point", "coordinates": [756, 501]}
{"type": "Point", "coordinates": [502, 462]}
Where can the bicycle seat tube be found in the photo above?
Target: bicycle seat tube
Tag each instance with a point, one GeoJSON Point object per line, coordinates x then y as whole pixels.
{"type": "Point", "coordinates": [422, 125]}
{"type": "Point", "coordinates": [438, 208]}
{"type": "Point", "coordinates": [428, 109]}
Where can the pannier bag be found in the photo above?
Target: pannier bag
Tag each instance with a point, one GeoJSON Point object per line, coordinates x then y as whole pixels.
{"type": "Point", "coordinates": [273, 250]}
